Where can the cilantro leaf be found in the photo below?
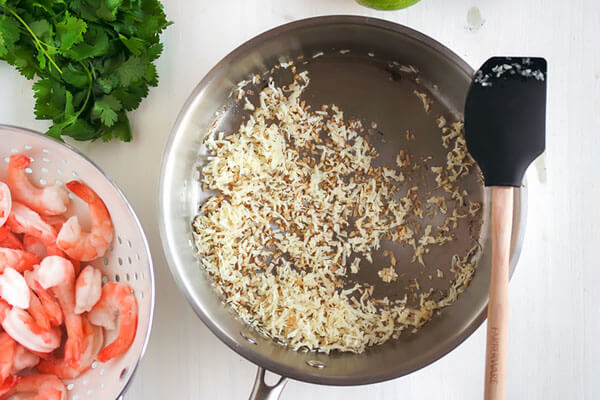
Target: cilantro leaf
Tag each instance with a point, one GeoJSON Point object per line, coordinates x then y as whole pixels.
{"type": "Point", "coordinates": [75, 75]}
{"type": "Point", "coordinates": [9, 34]}
{"type": "Point", "coordinates": [55, 131]}
{"type": "Point", "coordinates": [132, 96]}
{"type": "Point", "coordinates": [24, 60]}
{"type": "Point", "coordinates": [106, 109]}
{"type": "Point", "coordinates": [154, 51]}
{"type": "Point", "coordinates": [80, 130]}
{"type": "Point", "coordinates": [131, 70]}
{"type": "Point", "coordinates": [42, 29]}
{"type": "Point", "coordinates": [151, 76]}
{"type": "Point", "coordinates": [49, 98]}
{"type": "Point", "coordinates": [133, 44]}
{"type": "Point", "coordinates": [121, 130]}
{"type": "Point", "coordinates": [70, 31]}
{"type": "Point", "coordinates": [107, 9]}
{"type": "Point", "coordinates": [96, 43]}
{"type": "Point", "coordinates": [105, 84]}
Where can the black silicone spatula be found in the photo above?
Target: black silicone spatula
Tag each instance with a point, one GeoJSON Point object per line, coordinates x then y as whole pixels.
{"type": "Point", "coordinates": [505, 124]}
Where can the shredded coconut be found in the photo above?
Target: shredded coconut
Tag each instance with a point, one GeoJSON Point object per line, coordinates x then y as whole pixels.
{"type": "Point", "coordinates": [299, 203]}
{"type": "Point", "coordinates": [388, 274]}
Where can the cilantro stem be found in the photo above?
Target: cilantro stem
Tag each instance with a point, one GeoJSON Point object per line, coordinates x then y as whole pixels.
{"type": "Point", "coordinates": [72, 119]}
{"type": "Point", "coordinates": [38, 42]}
{"type": "Point", "coordinates": [89, 91]}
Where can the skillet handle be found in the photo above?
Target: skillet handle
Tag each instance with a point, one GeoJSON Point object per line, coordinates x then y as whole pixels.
{"type": "Point", "coordinates": [262, 391]}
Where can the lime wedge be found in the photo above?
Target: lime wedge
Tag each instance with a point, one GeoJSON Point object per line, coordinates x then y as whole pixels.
{"type": "Point", "coordinates": [387, 4]}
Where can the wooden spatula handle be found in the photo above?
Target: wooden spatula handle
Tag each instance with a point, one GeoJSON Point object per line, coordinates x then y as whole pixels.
{"type": "Point", "coordinates": [497, 314]}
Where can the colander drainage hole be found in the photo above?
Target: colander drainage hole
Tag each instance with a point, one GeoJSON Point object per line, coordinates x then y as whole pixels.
{"type": "Point", "coordinates": [117, 278]}
{"type": "Point", "coordinates": [123, 373]}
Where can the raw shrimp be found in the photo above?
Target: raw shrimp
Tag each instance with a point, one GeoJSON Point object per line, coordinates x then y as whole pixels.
{"type": "Point", "coordinates": [88, 289]}
{"type": "Point", "coordinates": [24, 359]}
{"type": "Point", "coordinates": [93, 339]}
{"type": "Point", "coordinates": [7, 355]}
{"type": "Point", "coordinates": [56, 273]}
{"type": "Point", "coordinates": [18, 259]}
{"type": "Point", "coordinates": [51, 307]}
{"type": "Point", "coordinates": [86, 246]}
{"type": "Point", "coordinates": [49, 200]}
{"type": "Point", "coordinates": [46, 387]}
{"type": "Point", "coordinates": [23, 329]}
{"type": "Point", "coordinates": [117, 299]}
{"type": "Point", "coordinates": [9, 240]}
{"type": "Point", "coordinates": [14, 289]}
{"type": "Point", "coordinates": [5, 202]}
{"type": "Point", "coordinates": [23, 219]}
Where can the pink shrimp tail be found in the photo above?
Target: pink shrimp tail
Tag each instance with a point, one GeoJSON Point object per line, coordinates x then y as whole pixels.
{"type": "Point", "coordinates": [37, 311]}
{"type": "Point", "coordinates": [83, 191]}
{"type": "Point", "coordinates": [120, 296]}
{"type": "Point", "coordinates": [73, 345]}
{"type": "Point", "coordinates": [51, 307]}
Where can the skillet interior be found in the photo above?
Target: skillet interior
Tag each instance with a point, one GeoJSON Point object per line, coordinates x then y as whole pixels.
{"type": "Point", "coordinates": [364, 87]}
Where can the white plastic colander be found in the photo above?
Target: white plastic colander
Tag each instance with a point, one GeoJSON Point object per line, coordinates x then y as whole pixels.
{"type": "Point", "coordinates": [128, 259]}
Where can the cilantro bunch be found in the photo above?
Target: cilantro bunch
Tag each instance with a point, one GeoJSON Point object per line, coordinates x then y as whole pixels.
{"type": "Point", "coordinates": [93, 60]}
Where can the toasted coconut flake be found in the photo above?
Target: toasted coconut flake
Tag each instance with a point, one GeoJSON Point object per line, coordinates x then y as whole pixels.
{"type": "Point", "coordinates": [299, 205]}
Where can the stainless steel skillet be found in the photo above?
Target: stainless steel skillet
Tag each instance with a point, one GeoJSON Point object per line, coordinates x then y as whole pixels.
{"type": "Point", "coordinates": [364, 83]}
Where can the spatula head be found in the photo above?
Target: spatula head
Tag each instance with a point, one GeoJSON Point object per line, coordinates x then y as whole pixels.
{"type": "Point", "coordinates": [505, 117]}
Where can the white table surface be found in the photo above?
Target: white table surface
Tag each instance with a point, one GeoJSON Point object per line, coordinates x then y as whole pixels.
{"type": "Point", "coordinates": [554, 326]}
